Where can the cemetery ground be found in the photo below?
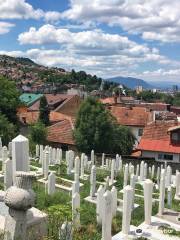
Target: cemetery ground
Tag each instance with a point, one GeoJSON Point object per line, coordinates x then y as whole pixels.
{"type": "Point", "coordinates": [58, 206]}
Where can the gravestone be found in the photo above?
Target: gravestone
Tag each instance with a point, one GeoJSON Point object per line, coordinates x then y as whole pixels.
{"type": "Point", "coordinates": [142, 171]}
{"type": "Point", "coordinates": [37, 150]}
{"type": "Point", "coordinates": [99, 205]}
{"type": "Point", "coordinates": [177, 184]}
{"type": "Point", "coordinates": [20, 155]}
{"type": "Point", "coordinates": [93, 181]}
{"type": "Point", "coordinates": [112, 170]}
{"type": "Point", "coordinates": [103, 159]}
{"type": "Point", "coordinates": [82, 165]}
{"type": "Point", "coordinates": [114, 200]}
{"type": "Point", "coordinates": [40, 154]}
{"type": "Point", "coordinates": [76, 210]}
{"type": "Point", "coordinates": [4, 156]}
{"type": "Point", "coordinates": [148, 190]}
{"type": "Point", "coordinates": [126, 175]}
{"type": "Point", "coordinates": [132, 184]}
{"type": "Point", "coordinates": [46, 163]}
{"type": "Point", "coordinates": [92, 157]}
{"type": "Point", "coordinates": [162, 192]}
{"type": "Point", "coordinates": [51, 183]}
{"type": "Point", "coordinates": [127, 208]}
{"type": "Point", "coordinates": [107, 216]}
{"type": "Point", "coordinates": [8, 176]}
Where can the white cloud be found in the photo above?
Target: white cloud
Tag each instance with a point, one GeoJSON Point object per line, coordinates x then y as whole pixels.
{"type": "Point", "coordinates": [20, 9]}
{"type": "Point", "coordinates": [5, 27]}
{"type": "Point", "coordinates": [93, 43]}
{"type": "Point", "coordinates": [153, 19]}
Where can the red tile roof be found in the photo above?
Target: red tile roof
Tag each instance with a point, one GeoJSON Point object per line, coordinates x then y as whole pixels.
{"type": "Point", "coordinates": [32, 117]}
{"type": "Point", "coordinates": [158, 146]}
{"type": "Point", "coordinates": [135, 116]}
{"type": "Point", "coordinates": [61, 132]}
{"type": "Point", "coordinates": [52, 99]}
{"type": "Point", "coordinates": [156, 137]}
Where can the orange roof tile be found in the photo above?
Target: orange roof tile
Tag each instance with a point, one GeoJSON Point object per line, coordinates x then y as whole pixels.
{"type": "Point", "coordinates": [32, 117]}
{"type": "Point", "coordinates": [135, 116]}
{"type": "Point", "coordinates": [61, 132]}
{"type": "Point", "coordinates": [157, 138]}
{"type": "Point", "coordinates": [52, 99]}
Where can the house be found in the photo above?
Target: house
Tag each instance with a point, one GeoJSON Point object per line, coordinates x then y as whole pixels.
{"type": "Point", "coordinates": [63, 103]}
{"type": "Point", "coordinates": [133, 117]}
{"type": "Point", "coordinates": [61, 134]}
{"type": "Point", "coordinates": [161, 141]}
{"type": "Point", "coordinates": [30, 98]}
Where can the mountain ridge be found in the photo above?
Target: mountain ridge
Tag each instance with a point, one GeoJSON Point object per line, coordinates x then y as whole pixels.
{"type": "Point", "coordinates": [131, 82]}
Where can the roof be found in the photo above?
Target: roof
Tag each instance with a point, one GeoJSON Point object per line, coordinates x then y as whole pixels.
{"type": "Point", "coordinates": [175, 128]}
{"type": "Point", "coordinates": [61, 132]}
{"type": "Point", "coordinates": [109, 100]}
{"type": "Point", "coordinates": [30, 98]}
{"type": "Point", "coordinates": [156, 137]}
{"type": "Point", "coordinates": [32, 117]}
{"type": "Point", "coordinates": [53, 100]}
{"type": "Point", "coordinates": [136, 116]}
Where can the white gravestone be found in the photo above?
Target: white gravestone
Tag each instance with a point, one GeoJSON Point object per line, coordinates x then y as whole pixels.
{"type": "Point", "coordinates": [132, 184]}
{"type": "Point", "coordinates": [51, 183]}
{"type": "Point", "coordinates": [99, 205]}
{"type": "Point", "coordinates": [114, 200]}
{"type": "Point", "coordinates": [162, 192]}
{"type": "Point", "coordinates": [177, 184]}
{"type": "Point", "coordinates": [103, 159]}
{"type": "Point", "coordinates": [126, 175]}
{"type": "Point", "coordinates": [37, 150]}
{"type": "Point", "coordinates": [8, 178]}
{"type": "Point", "coordinates": [4, 156]}
{"type": "Point", "coordinates": [40, 154]}
{"type": "Point", "coordinates": [112, 170]}
{"type": "Point", "coordinates": [107, 216]}
{"type": "Point", "coordinates": [46, 163]}
{"type": "Point", "coordinates": [148, 190]}
{"type": "Point", "coordinates": [93, 181]}
{"type": "Point", "coordinates": [142, 171]}
{"type": "Point", "coordinates": [76, 210]}
{"type": "Point", "coordinates": [82, 165]}
{"type": "Point", "coordinates": [127, 208]}
{"type": "Point", "coordinates": [20, 154]}
{"type": "Point", "coordinates": [92, 157]}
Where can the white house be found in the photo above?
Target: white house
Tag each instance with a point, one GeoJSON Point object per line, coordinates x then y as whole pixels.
{"type": "Point", "coordinates": [161, 140]}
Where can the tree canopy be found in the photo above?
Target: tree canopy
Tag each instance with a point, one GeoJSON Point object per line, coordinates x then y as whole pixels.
{"type": "Point", "coordinates": [7, 130]}
{"type": "Point", "coordinates": [96, 129]}
{"type": "Point", "coordinates": [9, 99]}
{"type": "Point", "coordinates": [44, 111]}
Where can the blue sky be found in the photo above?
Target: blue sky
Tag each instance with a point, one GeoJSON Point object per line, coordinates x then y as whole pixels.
{"type": "Point", "coordinates": [108, 38]}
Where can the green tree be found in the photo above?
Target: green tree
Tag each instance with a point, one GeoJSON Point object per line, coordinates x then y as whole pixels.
{"type": "Point", "coordinates": [96, 129]}
{"type": "Point", "coordinates": [44, 111]}
{"type": "Point", "coordinates": [9, 101]}
{"type": "Point", "coordinates": [7, 130]}
{"type": "Point", "coordinates": [123, 140]}
{"type": "Point", "coordinates": [176, 101]}
{"type": "Point", "coordinates": [38, 133]}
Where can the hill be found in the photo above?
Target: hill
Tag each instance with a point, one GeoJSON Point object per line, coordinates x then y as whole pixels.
{"type": "Point", "coordinates": [30, 76]}
{"type": "Point", "coordinates": [131, 82]}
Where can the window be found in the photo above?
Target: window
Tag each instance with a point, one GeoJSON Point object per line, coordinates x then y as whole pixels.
{"type": "Point", "coordinates": [175, 137]}
{"type": "Point", "coordinates": [163, 156]}
{"type": "Point", "coordinates": [140, 132]}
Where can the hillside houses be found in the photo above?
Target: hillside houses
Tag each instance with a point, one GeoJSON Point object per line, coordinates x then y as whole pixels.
{"type": "Point", "coordinates": [63, 110]}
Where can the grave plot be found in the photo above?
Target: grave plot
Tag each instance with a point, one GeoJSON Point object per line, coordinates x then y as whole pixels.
{"type": "Point", "coordinates": [91, 208]}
